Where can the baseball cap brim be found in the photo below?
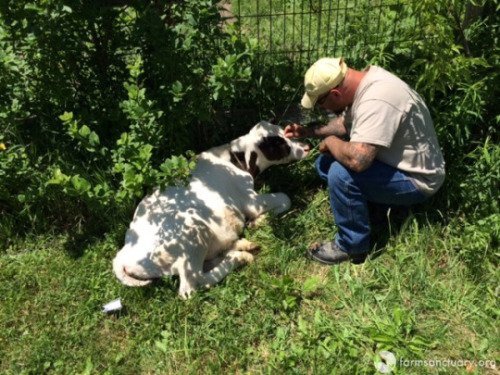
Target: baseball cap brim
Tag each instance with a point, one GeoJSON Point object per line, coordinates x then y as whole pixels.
{"type": "Point", "coordinates": [308, 101]}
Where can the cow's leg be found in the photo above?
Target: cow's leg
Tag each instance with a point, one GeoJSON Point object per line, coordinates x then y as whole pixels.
{"type": "Point", "coordinates": [244, 245]}
{"type": "Point", "coordinates": [241, 245]}
{"type": "Point", "coordinates": [262, 203]}
{"type": "Point", "coordinates": [237, 256]}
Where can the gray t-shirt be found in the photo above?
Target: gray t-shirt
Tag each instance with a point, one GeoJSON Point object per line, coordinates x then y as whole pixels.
{"type": "Point", "coordinates": [387, 112]}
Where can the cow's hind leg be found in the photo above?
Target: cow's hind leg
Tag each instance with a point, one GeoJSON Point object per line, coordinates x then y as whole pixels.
{"type": "Point", "coordinates": [240, 245]}
{"type": "Point", "coordinates": [244, 245]}
{"type": "Point", "coordinates": [262, 203]}
{"type": "Point", "coordinates": [237, 256]}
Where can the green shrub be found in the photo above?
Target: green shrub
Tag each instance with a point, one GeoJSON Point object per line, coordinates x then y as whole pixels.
{"type": "Point", "coordinates": [99, 104]}
{"type": "Point", "coordinates": [455, 68]}
{"type": "Point", "coordinates": [475, 187]}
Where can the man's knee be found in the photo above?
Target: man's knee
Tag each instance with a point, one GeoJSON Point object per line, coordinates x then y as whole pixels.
{"type": "Point", "coordinates": [338, 175]}
{"type": "Point", "coordinates": [322, 164]}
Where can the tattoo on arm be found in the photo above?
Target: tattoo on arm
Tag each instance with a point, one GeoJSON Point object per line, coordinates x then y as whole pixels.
{"type": "Point", "coordinates": [361, 155]}
{"type": "Point", "coordinates": [335, 127]}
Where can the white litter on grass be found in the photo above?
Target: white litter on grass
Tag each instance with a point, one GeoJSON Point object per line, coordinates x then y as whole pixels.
{"type": "Point", "coordinates": [386, 362]}
{"type": "Point", "coordinates": [114, 305]}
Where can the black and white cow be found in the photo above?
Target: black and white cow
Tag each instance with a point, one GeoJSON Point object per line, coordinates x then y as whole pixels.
{"type": "Point", "coordinates": [176, 230]}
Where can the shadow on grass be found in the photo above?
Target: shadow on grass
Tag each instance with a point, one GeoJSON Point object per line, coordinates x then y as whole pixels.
{"type": "Point", "coordinates": [166, 284]}
{"type": "Point", "coordinates": [388, 221]}
{"type": "Point", "coordinates": [90, 235]}
{"type": "Point", "coordinates": [79, 241]}
{"type": "Point", "coordinates": [301, 182]}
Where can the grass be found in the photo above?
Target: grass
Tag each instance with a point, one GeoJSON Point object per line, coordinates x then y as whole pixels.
{"type": "Point", "coordinates": [431, 295]}
{"type": "Point", "coordinates": [422, 298]}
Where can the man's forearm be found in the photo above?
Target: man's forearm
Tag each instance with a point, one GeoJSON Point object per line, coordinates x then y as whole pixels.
{"type": "Point", "coordinates": [335, 127]}
{"type": "Point", "coordinates": [356, 156]}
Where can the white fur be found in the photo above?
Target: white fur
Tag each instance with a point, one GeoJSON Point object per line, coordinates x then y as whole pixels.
{"type": "Point", "coordinates": [177, 230]}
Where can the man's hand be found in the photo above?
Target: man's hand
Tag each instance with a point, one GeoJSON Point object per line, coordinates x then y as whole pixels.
{"type": "Point", "coordinates": [323, 148]}
{"type": "Point", "coordinates": [334, 127]}
{"type": "Point", "coordinates": [296, 131]}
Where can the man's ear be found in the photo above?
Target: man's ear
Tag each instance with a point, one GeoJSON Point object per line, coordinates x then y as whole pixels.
{"type": "Point", "coordinates": [336, 92]}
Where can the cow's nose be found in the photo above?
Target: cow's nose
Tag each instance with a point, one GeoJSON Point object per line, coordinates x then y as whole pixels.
{"type": "Point", "coordinates": [306, 147]}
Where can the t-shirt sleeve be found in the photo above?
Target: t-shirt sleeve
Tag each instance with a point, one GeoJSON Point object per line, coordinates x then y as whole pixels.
{"type": "Point", "coordinates": [376, 122]}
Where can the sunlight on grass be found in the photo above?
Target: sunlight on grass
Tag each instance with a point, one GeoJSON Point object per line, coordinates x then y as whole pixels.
{"type": "Point", "coordinates": [284, 313]}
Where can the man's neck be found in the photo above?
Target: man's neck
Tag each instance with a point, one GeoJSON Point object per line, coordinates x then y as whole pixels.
{"type": "Point", "coordinates": [352, 81]}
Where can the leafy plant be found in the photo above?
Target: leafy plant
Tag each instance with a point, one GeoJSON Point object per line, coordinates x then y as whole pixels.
{"type": "Point", "coordinates": [477, 190]}
{"type": "Point", "coordinates": [398, 333]}
{"type": "Point", "coordinates": [455, 71]}
{"type": "Point", "coordinates": [133, 89]}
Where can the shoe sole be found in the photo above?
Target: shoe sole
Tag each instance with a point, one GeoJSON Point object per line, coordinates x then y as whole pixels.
{"type": "Point", "coordinates": [324, 261]}
{"type": "Point", "coordinates": [330, 262]}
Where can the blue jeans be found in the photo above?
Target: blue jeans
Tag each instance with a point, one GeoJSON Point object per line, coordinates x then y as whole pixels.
{"type": "Point", "coordinates": [350, 193]}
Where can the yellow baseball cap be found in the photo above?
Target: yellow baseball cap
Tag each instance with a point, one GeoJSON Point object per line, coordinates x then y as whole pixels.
{"type": "Point", "coordinates": [322, 76]}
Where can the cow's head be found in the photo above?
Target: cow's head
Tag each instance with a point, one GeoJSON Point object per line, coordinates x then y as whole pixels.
{"type": "Point", "coordinates": [263, 146]}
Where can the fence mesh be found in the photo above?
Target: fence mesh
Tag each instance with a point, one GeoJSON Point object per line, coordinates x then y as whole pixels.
{"type": "Point", "coordinates": [305, 30]}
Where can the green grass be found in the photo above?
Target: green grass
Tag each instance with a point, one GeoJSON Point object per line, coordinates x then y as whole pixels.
{"type": "Point", "coordinates": [424, 297]}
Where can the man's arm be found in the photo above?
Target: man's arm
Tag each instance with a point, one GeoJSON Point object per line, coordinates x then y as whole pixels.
{"type": "Point", "coordinates": [357, 156]}
{"type": "Point", "coordinates": [334, 127]}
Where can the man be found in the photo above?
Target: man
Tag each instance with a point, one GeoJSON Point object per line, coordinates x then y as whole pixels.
{"type": "Point", "coordinates": [382, 148]}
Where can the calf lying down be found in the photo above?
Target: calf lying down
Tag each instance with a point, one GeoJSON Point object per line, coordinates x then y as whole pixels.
{"type": "Point", "coordinates": [177, 230]}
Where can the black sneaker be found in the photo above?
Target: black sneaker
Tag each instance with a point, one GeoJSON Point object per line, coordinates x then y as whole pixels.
{"type": "Point", "coordinates": [330, 253]}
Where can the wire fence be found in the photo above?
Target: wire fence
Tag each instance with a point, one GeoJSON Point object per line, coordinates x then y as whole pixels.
{"type": "Point", "coordinates": [304, 30]}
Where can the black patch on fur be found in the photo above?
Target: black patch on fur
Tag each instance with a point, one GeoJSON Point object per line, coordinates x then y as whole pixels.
{"type": "Point", "coordinates": [238, 159]}
{"type": "Point", "coordinates": [253, 168]}
{"type": "Point", "coordinates": [274, 147]}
